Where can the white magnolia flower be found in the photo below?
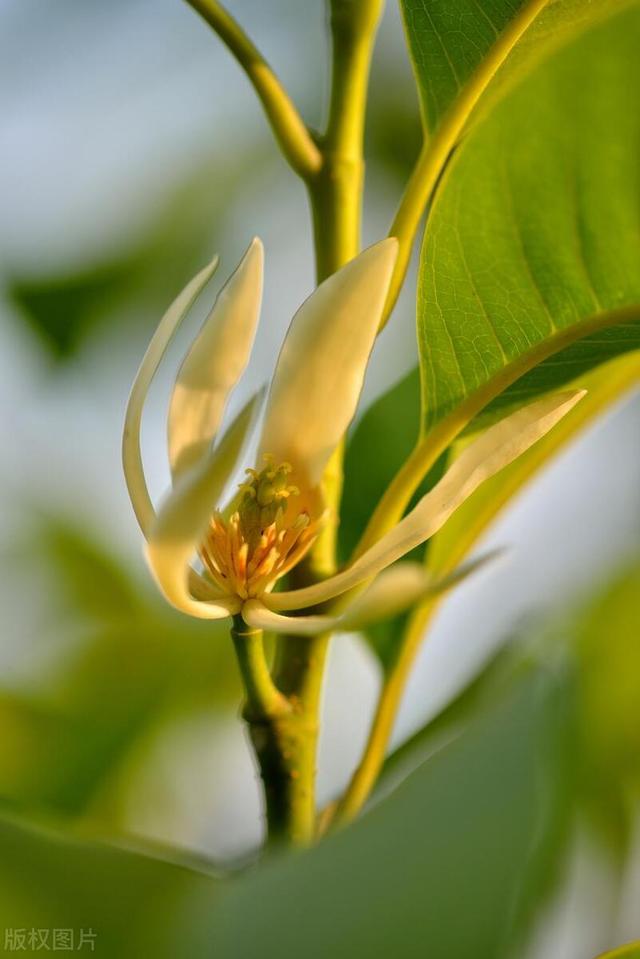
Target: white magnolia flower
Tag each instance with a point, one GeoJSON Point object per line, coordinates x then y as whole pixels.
{"type": "Point", "coordinates": [247, 544]}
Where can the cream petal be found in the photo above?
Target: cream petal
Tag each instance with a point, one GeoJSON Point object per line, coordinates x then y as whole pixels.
{"type": "Point", "coordinates": [256, 615]}
{"type": "Point", "coordinates": [322, 363]}
{"type": "Point", "coordinates": [215, 363]}
{"type": "Point", "coordinates": [394, 591]}
{"type": "Point", "coordinates": [399, 588]}
{"type": "Point", "coordinates": [131, 454]}
{"type": "Point", "coordinates": [183, 519]}
{"type": "Point", "coordinates": [491, 452]}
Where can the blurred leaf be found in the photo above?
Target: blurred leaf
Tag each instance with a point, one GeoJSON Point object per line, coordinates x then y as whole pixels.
{"type": "Point", "coordinates": [532, 242]}
{"type": "Point", "coordinates": [608, 663]}
{"type": "Point", "coordinates": [460, 837]}
{"type": "Point", "coordinates": [133, 903]}
{"type": "Point", "coordinates": [450, 39]}
{"type": "Point", "coordinates": [181, 232]}
{"type": "Point", "coordinates": [134, 664]}
{"type": "Point", "coordinates": [594, 654]}
{"type": "Point", "coordinates": [507, 667]}
{"type": "Point", "coordinates": [62, 309]}
{"type": "Point", "coordinates": [384, 639]}
{"type": "Point", "coordinates": [89, 580]}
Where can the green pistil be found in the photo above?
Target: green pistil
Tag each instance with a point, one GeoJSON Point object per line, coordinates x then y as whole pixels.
{"type": "Point", "coordinates": [265, 497]}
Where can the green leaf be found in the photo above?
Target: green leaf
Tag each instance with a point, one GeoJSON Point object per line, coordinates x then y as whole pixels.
{"type": "Point", "coordinates": [369, 466]}
{"type": "Point", "coordinates": [461, 837]}
{"type": "Point", "coordinates": [451, 40]}
{"type": "Point", "coordinates": [63, 309]}
{"type": "Point", "coordinates": [594, 650]}
{"type": "Point", "coordinates": [447, 41]}
{"type": "Point", "coordinates": [533, 242]}
{"type": "Point", "coordinates": [376, 449]}
{"type": "Point", "coordinates": [134, 903]}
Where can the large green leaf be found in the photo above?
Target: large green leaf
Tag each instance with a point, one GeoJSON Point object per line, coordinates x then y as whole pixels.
{"type": "Point", "coordinates": [132, 904]}
{"type": "Point", "coordinates": [447, 41]}
{"type": "Point", "coordinates": [532, 247]}
{"type": "Point", "coordinates": [461, 836]}
{"type": "Point", "coordinates": [595, 651]}
{"type": "Point", "coordinates": [452, 41]}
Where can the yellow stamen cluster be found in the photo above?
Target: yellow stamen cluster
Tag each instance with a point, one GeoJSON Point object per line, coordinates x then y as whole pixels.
{"type": "Point", "coordinates": [261, 540]}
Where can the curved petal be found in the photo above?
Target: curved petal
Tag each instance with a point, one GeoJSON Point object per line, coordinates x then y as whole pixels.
{"type": "Point", "coordinates": [258, 616]}
{"type": "Point", "coordinates": [493, 450]}
{"type": "Point", "coordinates": [393, 592]}
{"type": "Point", "coordinates": [215, 363]}
{"type": "Point", "coordinates": [182, 522]}
{"type": "Point", "coordinates": [322, 363]}
{"type": "Point", "coordinates": [131, 455]}
{"type": "Point", "coordinates": [399, 588]}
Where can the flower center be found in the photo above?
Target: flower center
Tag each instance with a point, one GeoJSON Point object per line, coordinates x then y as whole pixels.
{"type": "Point", "coordinates": [263, 538]}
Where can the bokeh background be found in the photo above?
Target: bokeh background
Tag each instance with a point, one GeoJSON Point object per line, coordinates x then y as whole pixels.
{"type": "Point", "coordinates": [132, 148]}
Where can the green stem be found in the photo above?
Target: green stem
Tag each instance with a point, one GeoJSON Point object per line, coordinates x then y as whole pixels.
{"type": "Point", "coordinates": [335, 194]}
{"type": "Point", "coordinates": [373, 756]}
{"type": "Point", "coordinates": [263, 697]}
{"type": "Point", "coordinates": [280, 728]}
{"type": "Point", "coordinates": [290, 131]}
{"type": "Point", "coordinates": [336, 190]}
